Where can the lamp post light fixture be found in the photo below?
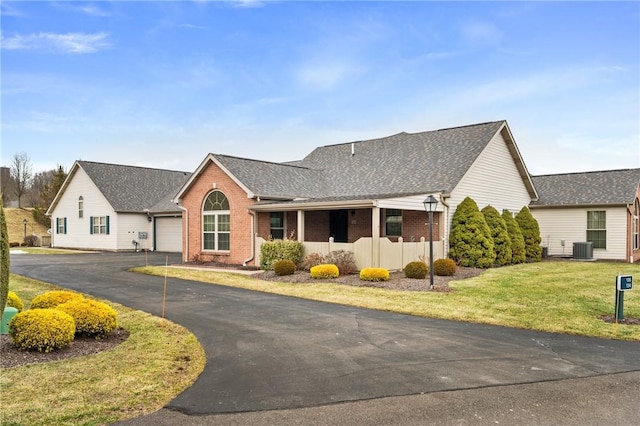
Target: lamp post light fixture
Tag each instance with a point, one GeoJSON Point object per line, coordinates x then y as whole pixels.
{"type": "Point", "coordinates": [430, 205]}
{"type": "Point", "coordinates": [24, 222]}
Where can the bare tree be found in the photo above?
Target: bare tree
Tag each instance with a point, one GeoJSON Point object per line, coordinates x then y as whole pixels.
{"type": "Point", "coordinates": [21, 174]}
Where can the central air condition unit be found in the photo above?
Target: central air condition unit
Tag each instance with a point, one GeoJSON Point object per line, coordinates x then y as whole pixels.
{"type": "Point", "coordinates": [583, 251]}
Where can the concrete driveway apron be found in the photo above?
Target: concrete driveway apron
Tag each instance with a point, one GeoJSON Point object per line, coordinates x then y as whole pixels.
{"type": "Point", "coordinates": [267, 352]}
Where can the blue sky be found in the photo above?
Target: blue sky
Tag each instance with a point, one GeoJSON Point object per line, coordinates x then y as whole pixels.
{"type": "Point", "coordinates": [161, 84]}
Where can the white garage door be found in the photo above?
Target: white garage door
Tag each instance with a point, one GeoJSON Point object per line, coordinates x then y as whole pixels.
{"type": "Point", "coordinates": [169, 234]}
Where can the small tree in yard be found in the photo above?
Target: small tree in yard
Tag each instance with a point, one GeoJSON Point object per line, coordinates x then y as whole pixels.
{"type": "Point", "coordinates": [4, 260]}
{"type": "Point", "coordinates": [531, 233]}
{"type": "Point", "coordinates": [517, 240]}
{"type": "Point", "coordinates": [470, 243]}
{"type": "Point", "coordinates": [501, 240]}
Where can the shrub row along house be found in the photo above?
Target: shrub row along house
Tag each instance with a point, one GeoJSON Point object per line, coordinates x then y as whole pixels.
{"type": "Point", "coordinates": [365, 197]}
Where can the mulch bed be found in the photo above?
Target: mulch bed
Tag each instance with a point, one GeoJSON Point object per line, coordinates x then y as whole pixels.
{"type": "Point", "coordinates": [10, 356]}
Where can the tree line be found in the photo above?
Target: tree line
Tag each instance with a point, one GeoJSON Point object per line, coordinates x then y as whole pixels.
{"type": "Point", "coordinates": [21, 187]}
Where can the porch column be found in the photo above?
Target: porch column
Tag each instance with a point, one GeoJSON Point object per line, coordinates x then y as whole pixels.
{"type": "Point", "coordinates": [300, 233]}
{"type": "Point", "coordinates": [375, 234]}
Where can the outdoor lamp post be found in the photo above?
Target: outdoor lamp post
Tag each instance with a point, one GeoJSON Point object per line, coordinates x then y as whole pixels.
{"type": "Point", "coordinates": [430, 205]}
{"type": "Point", "coordinates": [24, 222]}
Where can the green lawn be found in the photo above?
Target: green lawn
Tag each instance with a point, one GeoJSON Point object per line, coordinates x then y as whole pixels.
{"type": "Point", "coordinates": [554, 296]}
{"type": "Point", "coordinates": [157, 362]}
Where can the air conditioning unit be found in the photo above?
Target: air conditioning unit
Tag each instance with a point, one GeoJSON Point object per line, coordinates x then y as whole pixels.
{"type": "Point", "coordinates": [583, 250]}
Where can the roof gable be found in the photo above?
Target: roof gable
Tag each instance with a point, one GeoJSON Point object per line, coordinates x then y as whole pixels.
{"type": "Point", "coordinates": [130, 188]}
{"type": "Point", "coordinates": [588, 188]}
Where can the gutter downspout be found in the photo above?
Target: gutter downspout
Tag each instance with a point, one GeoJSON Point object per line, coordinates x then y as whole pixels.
{"type": "Point", "coordinates": [253, 238]}
{"type": "Point", "coordinates": [186, 247]}
{"type": "Point", "coordinates": [445, 248]}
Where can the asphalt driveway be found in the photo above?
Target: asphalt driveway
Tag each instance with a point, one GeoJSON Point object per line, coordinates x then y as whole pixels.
{"type": "Point", "coordinates": [269, 352]}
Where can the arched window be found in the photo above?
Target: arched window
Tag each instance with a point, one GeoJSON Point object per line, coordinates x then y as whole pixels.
{"type": "Point", "coordinates": [216, 222]}
{"type": "Point", "coordinates": [80, 207]}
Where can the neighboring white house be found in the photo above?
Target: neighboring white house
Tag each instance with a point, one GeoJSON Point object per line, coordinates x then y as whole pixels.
{"type": "Point", "coordinates": [112, 207]}
{"type": "Point", "coordinates": [600, 208]}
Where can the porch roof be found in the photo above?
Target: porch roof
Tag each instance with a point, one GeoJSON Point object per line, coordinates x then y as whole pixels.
{"type": "Point", "coordinates": [342, 202]}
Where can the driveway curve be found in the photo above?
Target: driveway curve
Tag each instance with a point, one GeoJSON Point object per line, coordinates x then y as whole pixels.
{"type": "Point", "coordinates": [270, 352]}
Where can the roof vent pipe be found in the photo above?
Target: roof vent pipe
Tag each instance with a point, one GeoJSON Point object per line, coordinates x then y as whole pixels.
{"type": "Point", "coordinates": [353, 149]}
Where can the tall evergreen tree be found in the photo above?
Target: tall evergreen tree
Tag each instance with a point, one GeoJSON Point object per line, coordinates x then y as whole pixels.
{"type": "Point", "coordinates": [517, 240]}
{"type": "Point", "coordinates": [501, 240]}
{"type": "Point", "coordinates": [4, 260]}
{"type": "Point", "coordinates": [470, 242]}
{"type": "Point", "coordinates": [531, 233]}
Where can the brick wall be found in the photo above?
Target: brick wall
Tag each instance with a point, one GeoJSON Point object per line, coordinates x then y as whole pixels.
{"type": "Point", "coordinates": [241, 219]}
{"type": "Point", "coordinates": [415, 224]}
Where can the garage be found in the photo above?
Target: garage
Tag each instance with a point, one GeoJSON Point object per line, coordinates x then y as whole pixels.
{"type": "Point", "coordinates": [168, 234]}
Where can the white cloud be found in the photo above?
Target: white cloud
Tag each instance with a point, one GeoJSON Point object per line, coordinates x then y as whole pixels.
{"type": "Point", "coordinates": [93, 10]}
{"type": "Point", "coordinates": [478, 32]}
{"type": "Point", "coordinates": [67, 43]}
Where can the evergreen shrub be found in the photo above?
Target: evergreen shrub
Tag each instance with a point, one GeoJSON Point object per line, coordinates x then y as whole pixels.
{"type": "Point", "coordinates": [444, 267]}
{"type": "Point", "coordinates": [470, 242]}
{"type": "Point", "coordinates": [53, 298]}
{"type": "Point", "coordinates": [92, 318]}
{"type": "Point", "coordinates": [284, 267]}
{"type": "Point", "coordinates": [325, 270]}
{"type": "Point", "coordinates": [14, 301]}
{"type": "Point", "coordinates": [272, 251]}
{"type": "Point", "coordinates": [42, 330]}
{"type": "Point", "coordinates": [531, 234]}
{"type": "Point", "coordinates": [501, 240]}
{"type": "Point", "coordinates": [374, 274]}
{"type": "Point", "coordinates": [416, 269]}
{"type": "Point", "coordinates": [515, 235]}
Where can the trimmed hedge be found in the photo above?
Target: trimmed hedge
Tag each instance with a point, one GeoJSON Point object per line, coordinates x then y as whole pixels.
{"type": "Point", "coordinates": [14, 301]}
{"type": "Point", "coordinates": [444, 267]}
{"type": "Point", "coordinates": [416, 269]}
{"type": "Point", "coordinates": [374, 274]}
{"type": "Point", "coordinates": [284, 267]}
{"type": "Point", "coordinates": [272, 251]}
{"type": "Point", "coordinates": [531, 234]}
{"type": "Point", "coordinates": [53, 298]}
{"type": "Point", "coordinates": [325, 270]}
{"type": "Point", "coordinates": [501, 240]}
{"type": "Point", "coordinates": [43, 329]}
{"type": "Point", "coordinates": [470, 242]}
{"type": "Point", "coordinates": [92, 318]}
{"type": "Point", "coordinates": [515, 235]}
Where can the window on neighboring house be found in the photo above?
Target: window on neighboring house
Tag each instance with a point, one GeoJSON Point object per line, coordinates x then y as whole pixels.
{"type": "Point", "coordinates": [61, 225]}
{"type": "Point", "coordinates": [216, 222]}
{"type": "Point", "coordinates": [99, 225]}
{"type": "Point", "coordinates": [393, 222]}
{"type": "Point", "coordinates": [277, 225]}
{"type": "Point", "coordinates": [636, 226]}
{"type": "Point", "coordinates": [597, 228]}
{"type": "Point", "coordinates": [81, 207]}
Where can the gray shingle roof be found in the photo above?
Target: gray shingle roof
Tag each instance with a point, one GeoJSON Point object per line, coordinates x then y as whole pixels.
{"type": "Point", "coordinates": [589, 188]}
{"type": "Point", "coordinates": [406, 163]}
{"type": "Point", "coordinates": [134, 189]}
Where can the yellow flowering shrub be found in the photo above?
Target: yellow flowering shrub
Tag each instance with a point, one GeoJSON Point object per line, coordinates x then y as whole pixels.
{"type": "Point", "coordinates": [92, 318]}
{"type": "Point", "coordinates": [374, 274]}
{"type": "Point", "coordinates": [325, 270]}
{"type": "Point", "coordinates": [42, 329]}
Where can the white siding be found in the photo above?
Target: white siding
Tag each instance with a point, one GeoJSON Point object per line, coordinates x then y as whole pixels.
{"type": "Point", "coordinates": [414, 202]}
{"type": "Point", "coordinates": [570, 224]}
{"type": "Point", "coordinates": [129, 225]}
{"type": "Point", "coordinates": [169, 234]}
{"type": "Point", "coordinates": [493, 179]}
{"type": "Point", "coordinates": [78, 234]}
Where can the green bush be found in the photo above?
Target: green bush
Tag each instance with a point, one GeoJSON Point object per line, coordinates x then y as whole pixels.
{"type": "Point", "coordinates": [92, 318]}
{"type": "Point", "coordinates": [53, 298]}
{"type": "Point", "coordinates": [311, 260]}
{"type": "Point", "coordinates": [14, 301]}
{"type": "Point", "coordinates": [444, 267]}
{"type": "Point", "coordinates": [284, 267]}
{"type": "Point", "coordinates": [344, 260]}
{"type": "Point", "coordinates": [416, 269]}
{"type": "Point", "coordinates": [515, 235]}
{"type": "Point", "coordinates": [272, 251]}
{"type": "Point", "coordinates": [501, 240]}
{"type": "Point", "coordinates": [325, 270]}
{"type": "Point", "coordinates": [42, 330]}
{"type": "Point", "coordinates": [531, 234]}
{"type": "Point", "coordinates": [374, 274]}
{"type": "Point", "coordinates": [470, 242]}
